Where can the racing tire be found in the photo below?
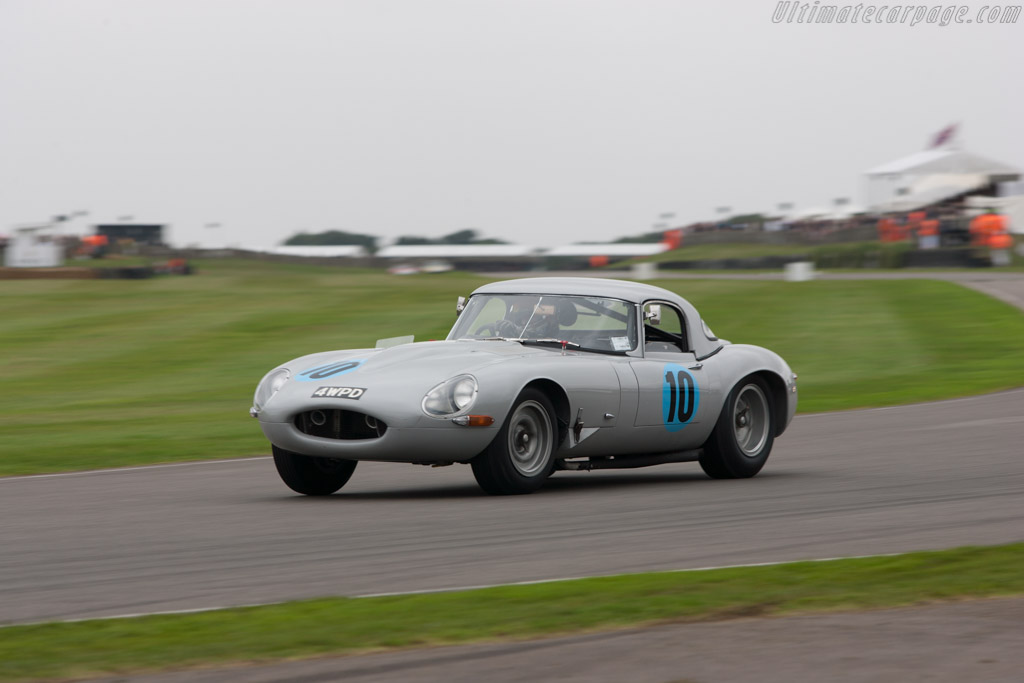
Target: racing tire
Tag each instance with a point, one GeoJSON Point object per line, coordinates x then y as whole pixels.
{"type": "Point", "coordinates": [743, 436]}
{"type": "Point", "coordinates": [312, 476]}
{"type": "Point", "coordinates": [521, 456]}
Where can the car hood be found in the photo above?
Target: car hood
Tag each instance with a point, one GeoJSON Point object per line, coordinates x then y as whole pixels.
{"type": "Point", "coordinates": [438, 358]}
{"type": "Point", "coordinates": [393, 381]}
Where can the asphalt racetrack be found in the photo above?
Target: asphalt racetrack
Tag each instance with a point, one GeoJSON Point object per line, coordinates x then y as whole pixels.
{"type": "Point", "coordinates": [225, 533]}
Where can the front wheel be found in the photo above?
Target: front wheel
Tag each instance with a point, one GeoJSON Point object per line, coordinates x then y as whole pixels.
{"type": "Point", "coordinates": [742, 439]}
{"type": "Point", "coordinates": [522, 454]}
{"type": "Point", "coordinates": [312, 476]}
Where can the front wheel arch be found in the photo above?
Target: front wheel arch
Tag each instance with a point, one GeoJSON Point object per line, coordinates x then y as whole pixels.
{"type": "Point", "coordinates": [559, 400]}
{"type": "Point", "coordinates": [522, 454]}
{"type": "Point", "coordinates": [310, 475]}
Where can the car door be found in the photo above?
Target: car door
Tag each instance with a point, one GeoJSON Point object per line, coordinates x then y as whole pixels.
{"type": "Point", "coordinates": [677, 393]}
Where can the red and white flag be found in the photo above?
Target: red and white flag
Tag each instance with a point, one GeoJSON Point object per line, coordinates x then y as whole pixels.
{"type": "Point", "coordinates": [943, 136]}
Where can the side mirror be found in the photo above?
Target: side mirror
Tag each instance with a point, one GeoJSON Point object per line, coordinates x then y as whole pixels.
{"type": "Point", "coordinates": [653, 314]}
{"type": "Point", "coordinates": [460, 305]}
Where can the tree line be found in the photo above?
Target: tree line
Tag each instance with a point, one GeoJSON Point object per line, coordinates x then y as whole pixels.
{"type": "Point", "coordinates": [369, 242]}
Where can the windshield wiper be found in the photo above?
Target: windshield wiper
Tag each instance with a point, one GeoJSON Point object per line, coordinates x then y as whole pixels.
{"type": "Point", "coordinates": [557, 342]}
{"type": "Point", "coordinates": [567, 344]}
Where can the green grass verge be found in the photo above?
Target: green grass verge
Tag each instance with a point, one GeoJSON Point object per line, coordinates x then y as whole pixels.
{"type": "Point", "coordinates": [345, 625]}
{"type": "Point", "coordinates": [105, 373]}
{"type": "Point", "coordinates": [112, 261]}
{"type": "Point", "coordinates": [842, 255]}
{"type": "Point", "coordinates": [702, 252]}
{"type": "Point", "coordinates": [873, 343]}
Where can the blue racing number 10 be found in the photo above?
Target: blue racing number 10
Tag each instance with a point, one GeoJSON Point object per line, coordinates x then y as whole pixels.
{"type": "Point", "coordinates": [680, 397]}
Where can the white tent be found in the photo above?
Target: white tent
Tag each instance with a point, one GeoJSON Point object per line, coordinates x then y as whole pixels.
{"type": "Point", "coordinates": [615, 249]}
{"type": "Point", "coordinates": [33, 246]}
{"type": "Point", "coordinates": [807, 214]}
{"type": "Point", "coordinates": [444, 251]}
{"type": "Point", "coordinates": [946, 161]}
{"type": "Point", "coordinates": [930, 176]}
{"type": "Point", "coordinates": [317, 251]}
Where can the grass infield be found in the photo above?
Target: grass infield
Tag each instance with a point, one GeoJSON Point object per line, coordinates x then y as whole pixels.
{"type": "Point", "coordinates": [346, 625]}
{"type": "Point", "coordinates": [108, 373]}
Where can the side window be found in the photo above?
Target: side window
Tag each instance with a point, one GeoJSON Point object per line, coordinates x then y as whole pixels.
{"type": "Point", "coordinates": [668, 335]}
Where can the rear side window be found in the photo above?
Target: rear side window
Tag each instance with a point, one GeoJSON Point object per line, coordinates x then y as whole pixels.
{"type": "Point", "coordinates": [669, 334]}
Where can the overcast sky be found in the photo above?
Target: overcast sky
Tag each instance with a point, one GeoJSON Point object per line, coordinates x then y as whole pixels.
{"type": "Point", "coordinates": [536, 121]}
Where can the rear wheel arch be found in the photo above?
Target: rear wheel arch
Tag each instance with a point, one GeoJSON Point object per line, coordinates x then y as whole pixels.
{"type": "Point", "coordinates": [742, 439]}
{"type": "Point", "coordinates": [777, 395]}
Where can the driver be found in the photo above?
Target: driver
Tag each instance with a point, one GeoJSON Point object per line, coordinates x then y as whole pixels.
{"type": "Point", "coordinates": [541, 319]}
{"type": "Point", "coordinates": [544, 323]}
{"type": "Point", "coordinates": [520, 310]}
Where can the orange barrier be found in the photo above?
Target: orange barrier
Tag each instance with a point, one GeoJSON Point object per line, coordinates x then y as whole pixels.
{"type": "Point", "coordinates": [673, 239]}
{"type": "Point", "coordinates": [1000, 241]}
{"type": "Point", "coordinates": [989, 230]}
{"type": "Point", "coordinates": [891, 231]}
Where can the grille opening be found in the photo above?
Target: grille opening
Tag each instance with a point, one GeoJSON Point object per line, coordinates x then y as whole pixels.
{"type": "Point", "coordinates": [339, 424]}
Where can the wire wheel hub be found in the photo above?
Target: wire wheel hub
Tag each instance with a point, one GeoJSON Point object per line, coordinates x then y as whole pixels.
{"type": "Point", "coordinates": [750, 420]}
{"type": "Point", "coordinates": [530, 438]}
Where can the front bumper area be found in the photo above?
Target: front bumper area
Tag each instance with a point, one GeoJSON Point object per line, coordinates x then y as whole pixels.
{"type": "Point", "coordinates": [439, 442]}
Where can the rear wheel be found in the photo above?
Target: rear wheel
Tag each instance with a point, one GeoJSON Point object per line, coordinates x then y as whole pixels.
{"type": "Point", "coordinates": [312, 476]}
{"type": "Point", "coordinates": [743, 436]}
{"type": "Point", "coordinates": [522, 454]}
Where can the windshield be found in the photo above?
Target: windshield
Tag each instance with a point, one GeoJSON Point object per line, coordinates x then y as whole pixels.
{"type": "Point", "coordinates": [592, 324]}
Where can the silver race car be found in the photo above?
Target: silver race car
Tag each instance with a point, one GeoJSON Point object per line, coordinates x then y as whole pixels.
{"type": "Point", "coordinates": [537, 375]}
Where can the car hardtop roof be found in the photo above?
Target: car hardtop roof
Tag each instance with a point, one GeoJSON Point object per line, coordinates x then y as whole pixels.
{"type": "Point", "coordinates": [634, 292]}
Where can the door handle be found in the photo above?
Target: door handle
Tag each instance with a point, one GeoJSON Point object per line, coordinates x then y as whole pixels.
{"type": "Point", "coordinates": [697, 366]}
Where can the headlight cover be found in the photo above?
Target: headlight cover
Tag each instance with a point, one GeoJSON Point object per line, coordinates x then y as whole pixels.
{"type": "Point", "coordinates": [451, 397]}
{"type": "Point", "coordinates": [269, 386]}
